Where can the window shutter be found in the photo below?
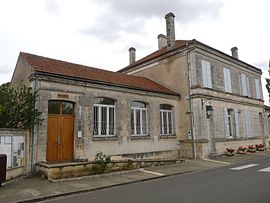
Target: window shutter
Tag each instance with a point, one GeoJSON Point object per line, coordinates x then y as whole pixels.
{"type": "Point", "coordinates": [226, 124]}
{"type": "Point", "coordinates": [258, 89]}
{"type": "Point", "coordinates": [237, 129]}
{"type": "Point", "coordinates": [206, 73]}
{"type": "Point", "coordinates": [244, 84]}
{"type": "Point", "coordinates": [209, 78]}
{"type": "Point", "coordinates": [248, 89]}
{"type": "Point", "coordinates": [248, 125]}
{"type": "Point", "coordinates": [229, 81]}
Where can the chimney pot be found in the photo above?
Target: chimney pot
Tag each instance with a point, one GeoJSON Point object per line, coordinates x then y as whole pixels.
{"type": "Point", "coordinates": [132, 55]}
{"type": "Point", "coordinates": [234, 52]}
{"type": "Point", "coordinates": [162, 41]}
{"type": "Point", "coordinates": [170, 29]}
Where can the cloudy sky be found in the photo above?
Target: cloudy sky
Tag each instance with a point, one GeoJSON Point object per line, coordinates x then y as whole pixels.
{"type": "Point", "coordinates": [98, 33]}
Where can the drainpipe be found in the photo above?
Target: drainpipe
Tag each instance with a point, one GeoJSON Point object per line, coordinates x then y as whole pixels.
{"type": "Point", "coordinates": [33, 140]}
{"type": "Point", "coordinates": [191, 116]}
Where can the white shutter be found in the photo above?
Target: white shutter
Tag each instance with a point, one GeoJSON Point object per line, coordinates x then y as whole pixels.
{"type": "Point", "coordinates": [226, 124]}
{"type": "Point", "coordinates": [258, 89]}
{"type": "Point", "coordinates": [248, 89]}
{"type": "Point", "coordinates": [244, 84]}
{"type": "Point", "coordinates": [248, 125]}
{"type": "Point", "coordinates": [206, 73]}
{"type": "Point", "coordinates": [209, 78]}
{"type": "Point", "coordinates": [227, 80]}
{"type": "Point", "coordinates": [237, 129]}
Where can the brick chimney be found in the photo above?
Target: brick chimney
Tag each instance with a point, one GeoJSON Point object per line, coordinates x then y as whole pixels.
{"type": "Point", "coordinates": [170, 29]}
{"type": "Point", "coordinates": [132, 55]}
{"type": "Point", "coordinates": [234, 52]}
{"type": "Point", "coordinates": [162, 41]}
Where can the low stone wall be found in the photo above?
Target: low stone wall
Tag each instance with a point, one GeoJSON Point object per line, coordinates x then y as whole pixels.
{"type": "Point", "coordinates": [68, 170]}
{"type": "Point", "coordinates": [15, 144]}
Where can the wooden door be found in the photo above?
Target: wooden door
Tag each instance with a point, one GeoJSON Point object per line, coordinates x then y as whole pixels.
{"type": "Point", "coordinates": [60, 131]}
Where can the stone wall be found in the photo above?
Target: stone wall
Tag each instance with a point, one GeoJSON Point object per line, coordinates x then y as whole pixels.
{"type": "Point", "coordinates": [83, 95]}
{"type": "Point", "coordinates": [19, 161]}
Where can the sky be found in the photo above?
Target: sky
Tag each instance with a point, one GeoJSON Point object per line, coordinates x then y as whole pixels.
{"type": "Point", "coordinates": [98, 33]}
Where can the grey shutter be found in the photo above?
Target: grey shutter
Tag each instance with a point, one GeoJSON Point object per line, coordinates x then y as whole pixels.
{"type": "Point", "coordinates": [258, 89]}
{"type": "Point", "coordinates": [248, 125]}
{"type": "Point", "coordinates": [237, 129]}
{"type": "Point", "coordinates": [248, 89]}
{"type": "Point", "coordinates": [209, 78]}
{"type": "Point", "coordinates": [225, 79]}
{"type": "Point", "coordinates": [229, 80]}
{"type": "Point", "coordinates": [204, 74]}
{"type": "Point", "coordinates": [226, 124]}
{"type": "Point", "coordinates": [244, 84]}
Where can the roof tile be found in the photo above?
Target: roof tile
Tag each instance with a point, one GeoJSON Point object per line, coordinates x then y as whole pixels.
{"type": "Point", "coordinates": [58, 67]}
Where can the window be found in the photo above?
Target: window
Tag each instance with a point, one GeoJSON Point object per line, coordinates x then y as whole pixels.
{"type": "Point", "coordinates": [139, 123]}
{"type": "Point", "coordinates": [248, 125]}
{"type": "Point", "coordinates": [166, 120]}
{"type": "Point", "coordinates": [104, 117]}
{"type": "Point", "coordinates": [227, 80]}
{"type": "Point", "coordinates": [231, 123]}
{"type": "Point", "coordinates": [245, 85]}
{"type": "Point", "coordinates": [258, 89]}
{"type": "Point", "coordinates": [206, 72]}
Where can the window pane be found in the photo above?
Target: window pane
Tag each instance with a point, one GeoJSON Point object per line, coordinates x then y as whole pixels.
{"type": "Point", "coordinates": [170, 122]}
{"type": "Point", "coordinates": [111, 121]}
{"type": "Point", "coordinates": [138, 104]}
{"type": "Point", "coordinates": [132, 122]}
{"type": "Point", "coordinates": [103, 121]}
{"type": "Point", "coordinates": [138, 121]}
{"type": "Point", "coordinates": [160, 120]}
{"type": "Point", "coordinates": [67, 108]}
{"type": "Point", "coordinates": [96, 120]}
{"type": "Point", "coordinates": [144, 122]}
{"type": "Point", "coordinates": [54, 107]}
{"type": "Point", "coordinates": [165, 122]}
{"type": "Point", "coordinates": [104, 100]}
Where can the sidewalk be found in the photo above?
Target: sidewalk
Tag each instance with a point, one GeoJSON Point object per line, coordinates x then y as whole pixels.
{"type": "Point", "coordinates": [34, 189]}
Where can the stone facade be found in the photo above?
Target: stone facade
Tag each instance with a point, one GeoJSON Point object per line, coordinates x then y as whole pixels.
{"type": "Point", "coordinates": [237, 104]}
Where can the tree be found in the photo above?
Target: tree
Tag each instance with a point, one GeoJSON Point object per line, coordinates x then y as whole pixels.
{"type": "Point", "coordinates": [17, 107]}
{"type": "Point", "coordinates": [268, 82]}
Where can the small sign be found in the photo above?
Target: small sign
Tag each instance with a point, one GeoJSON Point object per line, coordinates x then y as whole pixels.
{"type": "Point", "coordinates": [79, 134]}
{"type": "Point", "coordinates": [63, 96]}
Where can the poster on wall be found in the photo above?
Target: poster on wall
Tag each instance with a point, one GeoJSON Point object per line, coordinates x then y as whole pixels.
{"type": "Point", "coordinates": [13, 146]}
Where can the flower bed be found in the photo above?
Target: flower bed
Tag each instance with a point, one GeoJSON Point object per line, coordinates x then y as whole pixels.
{"type": "Point", "coordinates": [229, 151]}
{"type": "Point", "coordinates": [242, 150]}
{"type": "Point", "coordinates": [251, 148]}
{"type": "Point", "coordinates": [259, 147]}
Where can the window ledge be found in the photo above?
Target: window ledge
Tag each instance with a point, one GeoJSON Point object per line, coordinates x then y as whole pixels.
{"type": "Point", "coordinates": [167, 136]}
{"type": "Point", "coordinates": [140, 137]}
{"type": "Point", "coordinates": [111, 138]}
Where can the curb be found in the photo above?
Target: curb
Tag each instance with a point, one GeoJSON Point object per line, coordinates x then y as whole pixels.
{"type": "Point", "coordinates": [100, 188]}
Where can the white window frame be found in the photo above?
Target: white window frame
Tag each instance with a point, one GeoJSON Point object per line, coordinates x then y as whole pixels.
{"type": "Point", "coordinates": [134, 109]}
{"type": "Point", "coordinates": [206, 74]}
{"type": "Point", "coordinates": [108, 107]}
{"type": "Point", "coordinates": [227, 80]}
{"type": "Point", "coordinates": [162, 124]}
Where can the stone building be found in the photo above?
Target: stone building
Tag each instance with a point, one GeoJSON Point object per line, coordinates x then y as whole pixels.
{"type": "Point", "coordinates": [222, 102]}
{"type": "Point", "coordinates": [138, 112]}
{"type": "Point", "coordinates": [87, 110]}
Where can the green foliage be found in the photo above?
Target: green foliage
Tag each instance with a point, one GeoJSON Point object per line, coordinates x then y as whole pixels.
{"type": "Point", "coordinates": [268, 85]}
{"type": "Point", "coordinates": [17, 107]}
{"type": "Point", "coordinates": [101, 161]}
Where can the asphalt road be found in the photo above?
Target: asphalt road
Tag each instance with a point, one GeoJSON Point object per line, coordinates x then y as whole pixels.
{"type": "Point", "coordinates": [234, 183]}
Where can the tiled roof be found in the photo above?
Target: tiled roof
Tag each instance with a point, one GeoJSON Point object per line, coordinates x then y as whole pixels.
{"type": "Point", "coordinates": [76, 71]}
{"type": "Point", "coordinates": [178, 44]}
